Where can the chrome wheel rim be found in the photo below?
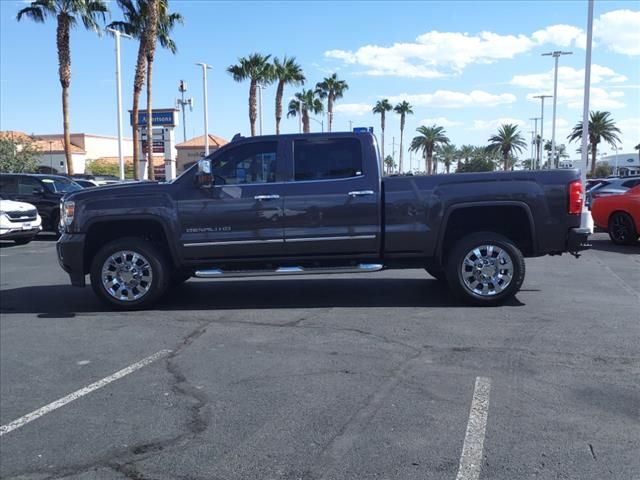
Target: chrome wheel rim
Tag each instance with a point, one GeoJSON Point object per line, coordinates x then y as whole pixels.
{"type": "Point", "coordinates": [127, 276]}
{"type": "Point", "coordinates": [487, 270]}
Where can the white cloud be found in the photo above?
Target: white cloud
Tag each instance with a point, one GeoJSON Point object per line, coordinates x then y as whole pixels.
{"type": "Point", "coordinates": [561, 35]}
{"type": "Point", "coordinates": [434, 54]}
{"type": "Point", "coordinates": [568, 77]}
{"type": "Point", "coordinates": [629, 131]}
{"type": "Point", "coordinates": [451, 99]}
{"type": "Point", "coordinates": [490, 125]}
{"type": "Point", "coordinates": [440, 121]}
{"type": "Point", "coordinates": [599, 98]}
{"type": "Point", "coordinates": [353, 108]}
{"type": "Point", "coordinates": [619, 31]}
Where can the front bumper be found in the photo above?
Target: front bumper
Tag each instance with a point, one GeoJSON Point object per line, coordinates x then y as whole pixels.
{"type": "Point", "coordinates": [18, 233]}
{"type": "Point", "coordinates": [578, 240]}
{"type": "Point", "coordinates": [70, 249]}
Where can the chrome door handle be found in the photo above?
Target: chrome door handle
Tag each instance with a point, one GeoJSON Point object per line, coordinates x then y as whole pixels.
{"type": "Point", "coordinates": [361, 193]}
{"type": "Point", "coordinates": [266, 197]}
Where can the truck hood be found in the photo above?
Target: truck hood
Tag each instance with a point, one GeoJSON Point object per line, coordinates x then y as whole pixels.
{"type": "Point", "coordinates": [118, 190]}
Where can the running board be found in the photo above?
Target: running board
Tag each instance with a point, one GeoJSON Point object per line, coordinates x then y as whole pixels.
{"type": "Point", "coordinates": [217, 273]}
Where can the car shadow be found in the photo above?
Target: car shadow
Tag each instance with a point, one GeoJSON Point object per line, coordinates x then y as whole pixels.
{"type": "Point", "coordinates": [59, 301]}
{"type": "Point", "coordinates": [606, 245]}
{"type": "Point", "coordinates": [45, 237]}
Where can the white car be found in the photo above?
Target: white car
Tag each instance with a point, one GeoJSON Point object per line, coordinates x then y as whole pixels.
{"type": "Point", "coordinates": [19, 221]}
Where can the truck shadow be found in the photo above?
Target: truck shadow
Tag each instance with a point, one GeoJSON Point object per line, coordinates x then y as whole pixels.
{"type": "Point", "coordinates": [58, 301]}
{"type": "Point", "coordinates": [606, 245]}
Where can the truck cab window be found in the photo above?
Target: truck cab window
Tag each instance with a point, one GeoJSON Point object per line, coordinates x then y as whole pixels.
{"type": "Point", "coordinates": [324, 159]}
{"type": "Point", "coordinates": [245, 164]}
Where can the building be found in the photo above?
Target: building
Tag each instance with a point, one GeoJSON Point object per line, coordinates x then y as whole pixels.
{"type": "Point", "coordinates": [623, 164]}
{"type": "Point", "coordinates": [84, 147]}
{"type": "Point", "coordinates": [192, 150]}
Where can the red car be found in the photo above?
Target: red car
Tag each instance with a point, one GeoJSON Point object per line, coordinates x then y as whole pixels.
{"type": "Point", "coordinates": [619, 215]}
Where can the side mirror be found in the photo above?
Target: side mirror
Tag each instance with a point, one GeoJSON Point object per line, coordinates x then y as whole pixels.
{"type": "Point", "coordinates": [204, 177]}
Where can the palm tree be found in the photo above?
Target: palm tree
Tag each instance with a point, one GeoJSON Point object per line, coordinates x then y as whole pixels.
{"type": "Point", "coordinates": [67, 14]}
{"type": "Point", "coordinates": [601, 127]}
{"type": "Point", "coordinates": [305, 102]}
{"type": "Point", "coordinates": [332, 89]}
{"type": "Point", "coordinates": [448, 153]}
{"type": "Point", "coordinates": [465, 153]}
{"type": "Point", "coordinates": [507, 141]}
{"type": "Point", "coordinates": [561, 152]}
{"type": "Point", "coordinates": [257, 69]}
{"type": "Point", "coordinates": [135, 22]}
{"type": "Point", "coordinates": [382, 107]}
{"type": "Point", "coordinates": [404, 109]}
{"type": "Point", "coordinates": [429, 138]}
{"type": "Point", "coordinates": [286, 72]}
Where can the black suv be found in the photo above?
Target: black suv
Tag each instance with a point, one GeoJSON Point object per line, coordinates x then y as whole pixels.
{"type": "Point", "coordinates": [43, 191]}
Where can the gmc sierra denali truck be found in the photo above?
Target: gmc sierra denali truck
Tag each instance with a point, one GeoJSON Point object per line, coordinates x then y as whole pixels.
{"type": "Point", "coordinates": [316, 203]}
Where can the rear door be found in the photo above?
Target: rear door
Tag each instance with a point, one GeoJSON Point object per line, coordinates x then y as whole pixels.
{"type": "Point", "coordinates": [332, 201]}
{"type": "Point", "coordinates": [241, 215]}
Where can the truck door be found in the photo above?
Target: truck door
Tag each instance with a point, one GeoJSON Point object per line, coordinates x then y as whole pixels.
{"type": "Point", "coordinates": [241, 215]}
{"type": "Point", "coordinates": [332, 201]}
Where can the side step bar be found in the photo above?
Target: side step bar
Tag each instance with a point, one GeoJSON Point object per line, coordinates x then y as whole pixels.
{"type": "Point", "coordinates": [217, 273]}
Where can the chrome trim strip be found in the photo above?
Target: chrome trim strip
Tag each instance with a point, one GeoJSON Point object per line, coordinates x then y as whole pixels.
{"type": "Point", "coordinates": [233, 242]}
{"type": "Point", "coordinates": [321, 239]}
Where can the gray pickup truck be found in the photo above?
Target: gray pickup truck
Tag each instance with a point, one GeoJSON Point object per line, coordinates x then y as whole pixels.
{"type": "Point", "coordinates": [316, 203]}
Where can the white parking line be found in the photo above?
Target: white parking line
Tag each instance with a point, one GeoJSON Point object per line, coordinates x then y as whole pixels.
{"type": "Point", "coordinates": [471, 458]}
{"type": "Point", "coordinates": [30, 417]}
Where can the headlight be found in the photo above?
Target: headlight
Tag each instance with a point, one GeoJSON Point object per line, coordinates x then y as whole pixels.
{"type": "Point", "coordinates": [68, 212]}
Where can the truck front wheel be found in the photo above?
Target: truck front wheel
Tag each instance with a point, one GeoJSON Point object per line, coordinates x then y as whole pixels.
{"type": "Point", "coordinates": [129, 274]}
{"type": "Point", "coordinates": [485, 268]}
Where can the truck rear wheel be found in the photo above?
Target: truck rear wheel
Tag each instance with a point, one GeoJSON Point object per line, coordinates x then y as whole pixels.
{"type": "Point", "coordinates": [485, 268]}
{"type": "Point", "coordinates": [129, 274]}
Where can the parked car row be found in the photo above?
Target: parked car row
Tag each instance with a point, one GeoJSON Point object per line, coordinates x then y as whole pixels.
{"type": "Point", "coordinates": [602, 187]}
{"type": "Point", "coordinates": [619, 215]}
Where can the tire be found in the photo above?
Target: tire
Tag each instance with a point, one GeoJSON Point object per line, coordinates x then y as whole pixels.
{"type": "Point", "coordinates": [621, 229]}
{"type": "Point", "coordinates": [145, 277]}
{"type": "Point", "coordinates": [437, 273]}
{"type": "Point", "coordinates": [500, 276]}
{"type": "Point", "coordinates": [23, 241]}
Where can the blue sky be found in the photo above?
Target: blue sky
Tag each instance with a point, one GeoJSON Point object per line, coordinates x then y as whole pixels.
{"type": "Point", "coordinates": [468, 66]}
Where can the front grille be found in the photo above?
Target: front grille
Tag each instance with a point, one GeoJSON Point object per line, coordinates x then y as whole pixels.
{"type": "Point", "coordinates": [22, 215]}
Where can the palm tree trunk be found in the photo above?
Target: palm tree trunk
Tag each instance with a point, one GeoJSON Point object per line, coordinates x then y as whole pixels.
{"type": "Point", "coordinates": [151, 172]}
{"type": "Point", "coordinates": [305, 121]}
{"type": "Point", "coordinates": [330, 110]}
{"type": "Point", "coordinates": [448, 167]}
{"type": "Point", "coordinates": [401, 135]}
{"type": "Point", "coordinates": [279, 94]}
{"type": "Point", "coordinates": [594, 150]}
{"type": "Point", "coordinates": [64, 71]}
{"type": "Point", "coordinates": [253, 109]}
{"type": "Point", "coordinates": [137, 89]}
{"type": "Point", "coordinates": [505, 156]}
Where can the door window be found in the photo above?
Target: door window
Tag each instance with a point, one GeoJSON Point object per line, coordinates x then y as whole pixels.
{"type": "Point", "coordinates": [8, 185]}
{"type": "Point", "coordinates": [325, 159]}
{"type": "Point", "coordinates": [246, 164]}
{"type": "Point", "coordinates": [631, 183]}
{"type": "Point", "coordinates": [26, 185]}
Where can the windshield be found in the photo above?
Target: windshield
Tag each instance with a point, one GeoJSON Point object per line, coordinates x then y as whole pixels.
{"type": "Point", "coordinates": [61, 185]}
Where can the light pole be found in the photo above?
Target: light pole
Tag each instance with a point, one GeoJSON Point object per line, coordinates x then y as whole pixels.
{"type": "Point", "coordinates": [117, 34]}
{"type": "Point", "coordinates": [532, 149]}
{"type": "Point", "coordinates": [616, 161]}
{"type": "Point", "coordinates": [182, 88]}
{"type": "Point", "coordinates": [51, 156]}
{"type": "Point", "coordinates": [586, 221]}
{"type": "Point", "coordinates": [536, 146]}
{"type": "Point", "coordinates": [350, 125]}
{"type": "Point", "coordinates": [300, 103]}
{"type": "Point", "coordinates": [260, 87]}
{"type": "Point", "coordinates": [556, 54]}
{"type": "Point", "coordinates": [541, 147]}
{"type": "Point", "coordinates": [205, 104]}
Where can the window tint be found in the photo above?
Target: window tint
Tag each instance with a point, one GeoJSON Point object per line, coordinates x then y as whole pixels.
{"type": "Point", "coordinates": [631, 183]}
{"type": "Point", "coordinates": [324, 159]}
{"type": "Point", "coordinates": [26, 185]}
{"type": "Point", "coordinates": [58, 185]}
{"type": "Point", "coordinates": [8, 185]}
{"type": "Point", "coordinates": [250, 163]}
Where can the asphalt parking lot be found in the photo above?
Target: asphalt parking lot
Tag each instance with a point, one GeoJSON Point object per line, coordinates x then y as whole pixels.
{"type": "Point", "coordinates": [376, 376]}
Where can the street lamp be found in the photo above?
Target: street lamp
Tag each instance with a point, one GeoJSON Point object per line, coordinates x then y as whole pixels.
{"type": "Point", "coordinates": [117, 34]}
{"type": "Point", "coordinates": [260, 87]}
{"type": "Point", "coordinates": [616, 160]}
{"type": "Point", "coordinates": [541, 147]}
{"type": "Point", "coordinates": [534, 144]}
{"type": "Point", "coordinates": [205, 104]}
{"type": "Point", "coordinates": [555, 55]}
